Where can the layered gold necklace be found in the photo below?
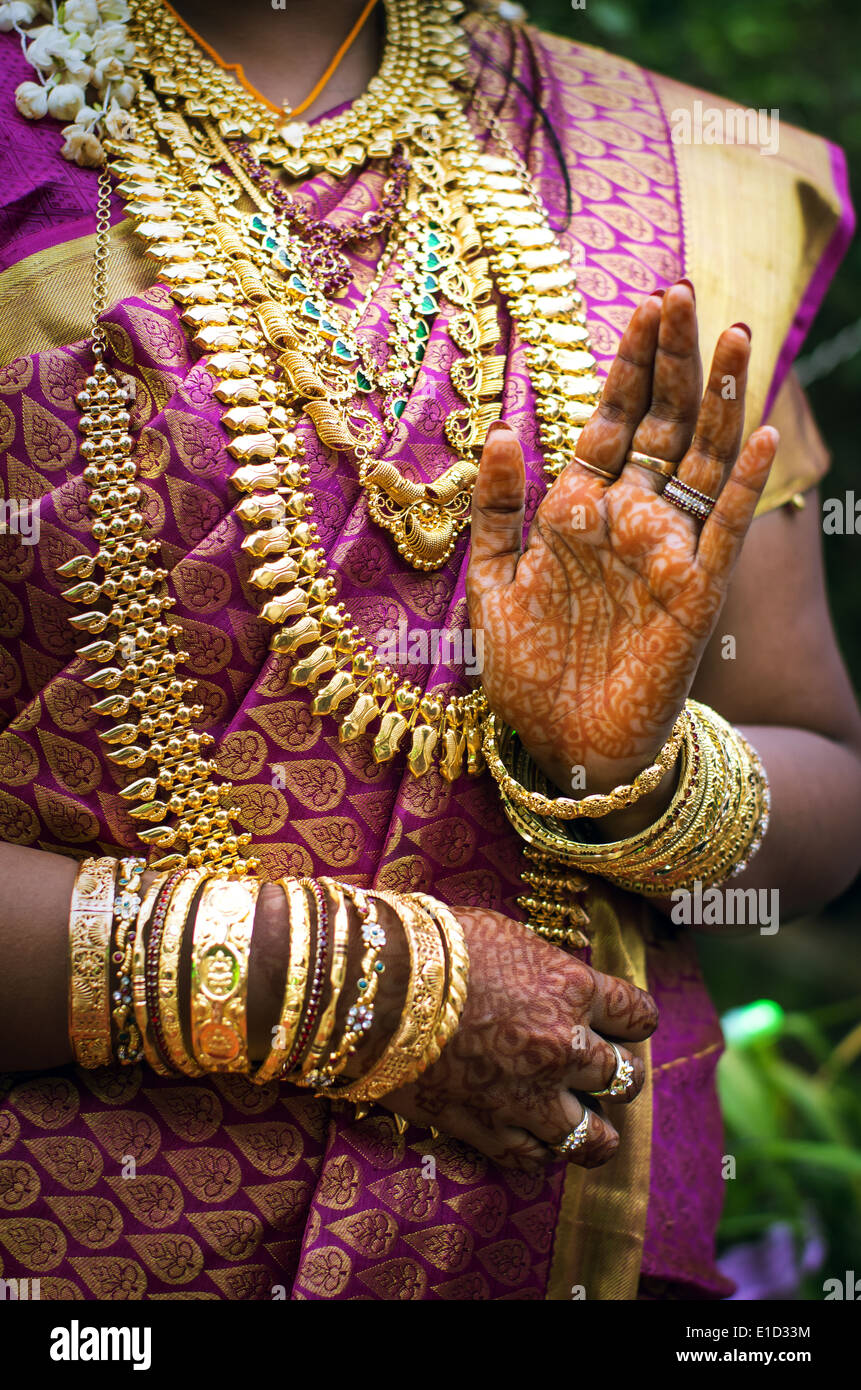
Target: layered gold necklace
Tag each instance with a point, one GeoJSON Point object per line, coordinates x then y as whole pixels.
{"type": "Point", "coordinates": [279, 348]}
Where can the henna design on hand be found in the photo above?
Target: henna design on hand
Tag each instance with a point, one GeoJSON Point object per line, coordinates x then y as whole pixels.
{"type": "Point", "coordinates": [505, 1081]}
{"type": "Point", "coordinates": [593, 635]}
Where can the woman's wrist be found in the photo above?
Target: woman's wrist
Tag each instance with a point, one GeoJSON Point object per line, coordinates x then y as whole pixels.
{"type": "Point", "coordinates": [632, 820]}
{"type": "Point", "coordinates": [310, 981]}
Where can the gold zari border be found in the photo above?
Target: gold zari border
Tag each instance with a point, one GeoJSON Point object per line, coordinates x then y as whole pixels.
{"type": "Point", "coordinates": [601, 1224]}
{"type": "Point", "coordinates": [46, 299]}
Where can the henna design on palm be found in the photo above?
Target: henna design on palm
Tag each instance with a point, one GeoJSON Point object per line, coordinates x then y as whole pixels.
{"type": "Point", "coordinates": [593, 635]}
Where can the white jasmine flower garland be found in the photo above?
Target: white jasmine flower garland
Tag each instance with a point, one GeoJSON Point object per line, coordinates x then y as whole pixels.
{"type": "Point", "coordinates": [83, 62]}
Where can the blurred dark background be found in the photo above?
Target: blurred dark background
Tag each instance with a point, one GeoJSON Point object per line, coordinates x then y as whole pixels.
{"type": "Point", "coordinates": [791, 1078]}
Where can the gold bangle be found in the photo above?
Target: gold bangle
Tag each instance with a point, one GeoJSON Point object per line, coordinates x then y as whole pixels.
{"type": "Point", "coordinates": [360, 1015]}
{"type": "Point", "coordinates": [404, 1058]}
{"type": "Point", "coordinates": [90, 921]}
{"type": "Point", "coordinates": [682, 819]}
{"type": "Point", "coordinates": [569, 808]}
{"type": "Point", "coordinates": [311, 1073]}
{"type": "Point", "coordinates": [298, 969]}
{"type": "Point", "coordinates": [716, 835]}
{"type": "Point", "coordinates": [129, 1046]}
{"type": "Point", "coordinates": [727, 852]}
{"type": "Point", "coordinates": [457, 970]}
{"type": "Point", "coordinates": [139, 965]}
{"type": "Point", "coordinates": [219, 974]}
{"type": "Point", "coordinates": [711, 829]}
{"type": "Point", "coordinates": [548, 838]}
{"type": "Point", "coordinates": [155, 902]}
{"type": "Point", "coordinates": [168, 969]}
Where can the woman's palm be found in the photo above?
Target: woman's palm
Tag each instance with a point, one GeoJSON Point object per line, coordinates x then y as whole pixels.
{"type": "Point", "coordinates": [593, 635]}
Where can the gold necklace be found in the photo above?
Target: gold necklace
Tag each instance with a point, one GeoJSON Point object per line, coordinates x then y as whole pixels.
{"type": "Point", "coordinates": [425, 51]}
{"type": "Point", "coordinates": [423, 41]}
{"type": "Point", "coordinates": [236, 300]}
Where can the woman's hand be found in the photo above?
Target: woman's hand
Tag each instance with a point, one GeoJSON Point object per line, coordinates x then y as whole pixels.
{"type": "Point", "coordinates": [532, 1033]}
{"type": "Point", "coordinates": [592, 637]}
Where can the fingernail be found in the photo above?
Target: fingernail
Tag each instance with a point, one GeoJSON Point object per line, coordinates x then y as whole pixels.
{"type": "Point", "coordinates": [745, 327]}
{"type": "Point", "coordinates": [657, 294]}
{"type": "Point", "coordinates": [498, 425]}
{"type": "Point", "coordinates": [689, 285]}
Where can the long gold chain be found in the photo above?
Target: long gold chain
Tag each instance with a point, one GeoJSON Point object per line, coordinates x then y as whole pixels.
{"type": "Point", "coordinates": [100, 261]}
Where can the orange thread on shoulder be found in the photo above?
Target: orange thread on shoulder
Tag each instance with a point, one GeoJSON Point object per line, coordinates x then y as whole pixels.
{"type": "Point", "coordinates": [239, 73]}
{"type": "Point", "coordinates": [336, 61]}
{"type": "Point", "coordinates": [235, 68]}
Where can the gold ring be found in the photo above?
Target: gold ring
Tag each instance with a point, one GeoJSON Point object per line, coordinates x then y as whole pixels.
{"type": "Point", "coordinates": [593, 468]}
{"type": "Point", "coordinates": [662, 467]}
{"type": "Point", "coordinates": [573, 1142]}
{"type": "Point", "coordinates": [621, 1078]}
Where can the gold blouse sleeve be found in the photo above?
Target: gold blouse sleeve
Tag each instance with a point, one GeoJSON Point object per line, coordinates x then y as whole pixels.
{"type": "Point", "coordinates": [802, 456]}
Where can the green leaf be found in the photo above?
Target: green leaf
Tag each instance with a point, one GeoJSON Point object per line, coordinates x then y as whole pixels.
{"type": "Point", "coordinates": [748, 1102]}
{"type": "Point", "coordinates": [810, 1097]}
{"type": "Point", "coordinates": [829, 1157]}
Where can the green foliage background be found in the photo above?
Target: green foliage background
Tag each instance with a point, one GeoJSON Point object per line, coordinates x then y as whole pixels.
{"type": "Point", "coordinates": [792, 1100]}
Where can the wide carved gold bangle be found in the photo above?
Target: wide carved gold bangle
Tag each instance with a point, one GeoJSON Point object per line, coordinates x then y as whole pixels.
{"type": "Point", "coordinates": [219, 974]}
{"type": "Point", "coordinates": [406, 1054]}
{"type": "Point", "coordinates": [168, 969]}
{"type": "Point", "coordinates": [497, 735]}
{"type": "Point", "coordinates": [297, 982]}
{"type": "Point", "coordinates": [90, 921]}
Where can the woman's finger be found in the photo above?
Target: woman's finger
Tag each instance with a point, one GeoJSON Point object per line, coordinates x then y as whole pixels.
{"type": "Point", "coordinates": [497, 510]}
{"type": "Point", "coordinates": [724, 531]}
{"type": "Point", "coordinates": [627, 391]}
{"type": "Point", "coordinates": [594, 1065]}
{"type": "Point", "coordinates": [666, 430]}
{"type": "Point", "coordinates": [715, 444]}
{"type": "Point", "coordinates": [621, 1010]}
{"type": "Point", "coordinates": [508, 1145]}
{"type": "Point", "coordinates": [556, 1117]}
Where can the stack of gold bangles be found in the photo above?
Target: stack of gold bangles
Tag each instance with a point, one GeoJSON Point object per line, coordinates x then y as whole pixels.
{"type": "Point", "coordinates": [129, 953]}
{"type": "Point", "coordinates": [709, 832]}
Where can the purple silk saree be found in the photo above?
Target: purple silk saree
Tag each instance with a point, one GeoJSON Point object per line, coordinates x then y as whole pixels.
{"type": "Point", "coordinates": [253, 1193]}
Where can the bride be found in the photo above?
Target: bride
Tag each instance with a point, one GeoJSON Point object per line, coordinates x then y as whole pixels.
{"type": "Point", "coordinates": [330, 973]}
